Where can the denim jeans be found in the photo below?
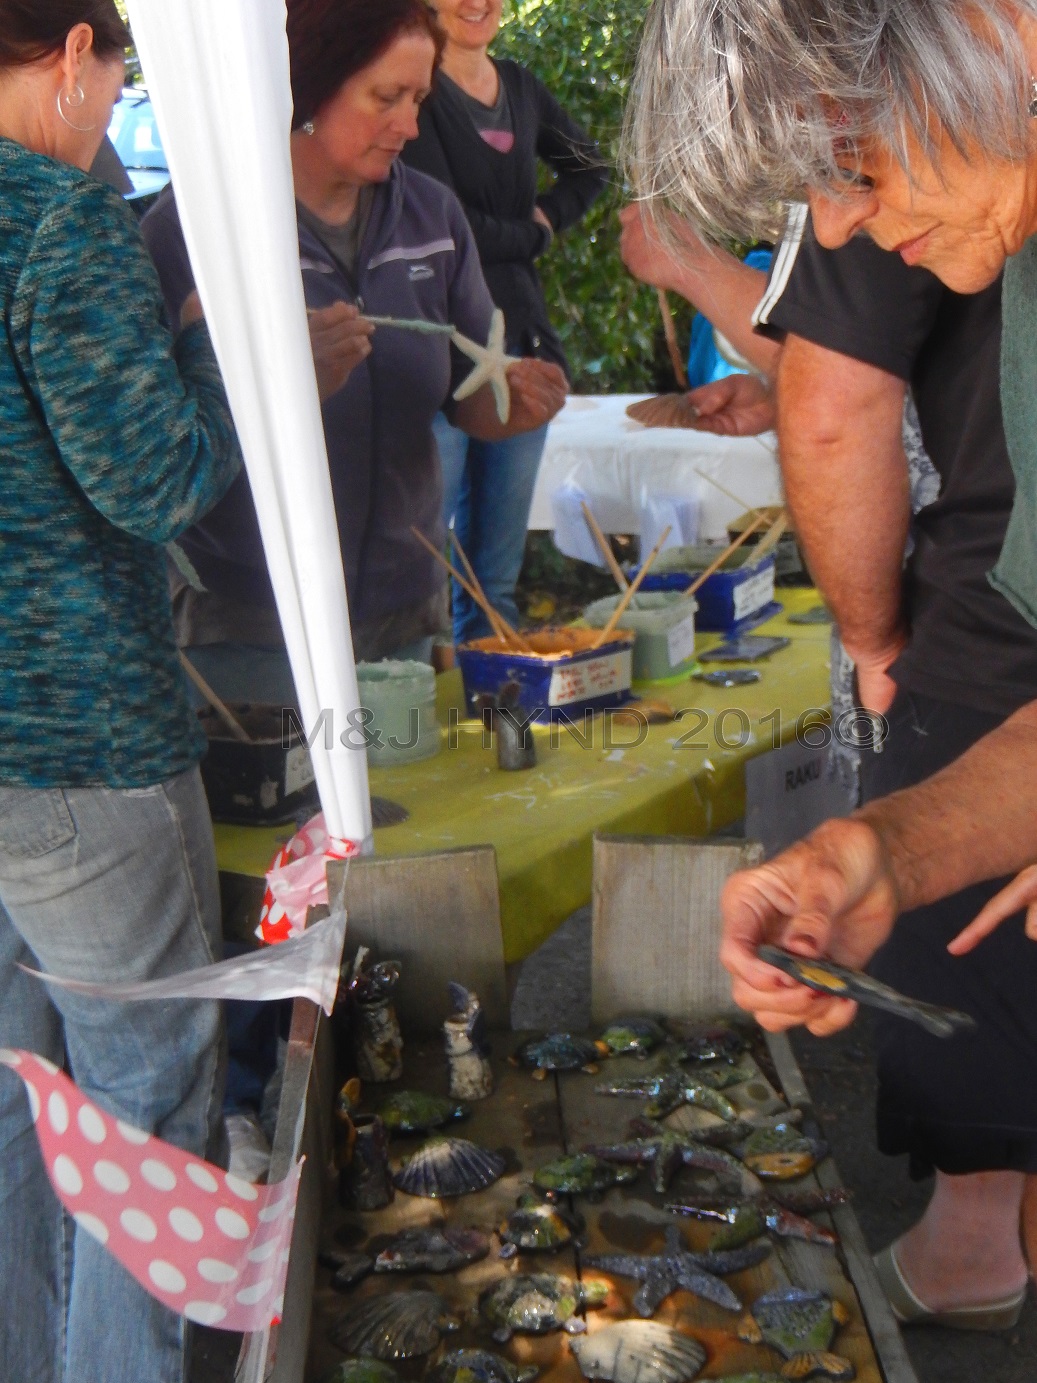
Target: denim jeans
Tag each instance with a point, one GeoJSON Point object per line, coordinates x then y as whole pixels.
{"type": "Point", "coordinates": [487, 492]}
{"type": "Point", "coordinates": [105, 885]}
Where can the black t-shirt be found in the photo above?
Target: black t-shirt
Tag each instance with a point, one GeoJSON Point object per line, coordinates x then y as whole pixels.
{"type": "Point", "coordinates": [968, 645]}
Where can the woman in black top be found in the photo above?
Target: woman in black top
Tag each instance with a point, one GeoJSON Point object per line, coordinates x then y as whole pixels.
{"type": "Point", "coordinates": [482, 132]}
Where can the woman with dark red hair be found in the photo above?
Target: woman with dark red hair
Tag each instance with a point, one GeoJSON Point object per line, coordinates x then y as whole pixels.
{"type": "Point", "coordinates": [374, 237]}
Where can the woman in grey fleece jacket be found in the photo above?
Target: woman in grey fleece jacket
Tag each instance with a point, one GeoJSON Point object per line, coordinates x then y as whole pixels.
{"type": "Point", "coordinates": [374, 237]}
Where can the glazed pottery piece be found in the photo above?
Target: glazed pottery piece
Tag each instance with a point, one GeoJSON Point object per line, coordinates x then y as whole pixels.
{"type": "Point", "coordinates": [365, 1184]}
{"type": "Point", "coordinates": [467, 1047]}
{"type": "Point", "coordinates": [398, 1325]}
{"type": "Point", "coordinates": [445, 1167]}
{"type": "Point", "coordinates": [639, 1352]}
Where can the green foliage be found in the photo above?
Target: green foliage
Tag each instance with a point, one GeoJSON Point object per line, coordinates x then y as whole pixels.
{"type": "Point", "coordinates": [583, 51]}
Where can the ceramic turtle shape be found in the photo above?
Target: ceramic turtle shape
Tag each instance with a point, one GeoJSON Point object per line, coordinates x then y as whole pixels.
{"type": "Point", "coordinates": [559, 1051]}
{"type": "Point", "coordinates": [582, 1174]}
{"type": "Point", "coordinates": [361, 1371]}
{"type": "Point", "coordinates": [479, 1366]}
{"type": "Point", "coordinates": [535, 1226]}
{"type": "Point", "coordinates": [800, 1324]}
{"type": "Point", "coordinates": [413, 1111]}
{"type": "Point", "coordinates": [633, 1036]}
{"type": "Point", "coordinates": [537, 1303]}
{"type": "Point", "coordinates": [781, 1153]}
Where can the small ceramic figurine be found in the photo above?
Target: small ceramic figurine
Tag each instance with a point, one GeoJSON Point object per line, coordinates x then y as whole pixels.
{"type": "Point", "coordinates": [377, 1037]}
{"type": "Point", "coordinates": [467, 1047]}
{"type": "Point", "coordinates": [365, 1182]}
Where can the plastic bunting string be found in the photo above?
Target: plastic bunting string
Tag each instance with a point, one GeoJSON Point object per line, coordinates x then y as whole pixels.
{"type": "Point", "coordinates": [218, 75]}
{"type": "Point", "coordinates": [297, 880]}
{"type": "Point", "coordinates": [305, 966]}
{"type": "Point", "coordinates": [209, 1246]}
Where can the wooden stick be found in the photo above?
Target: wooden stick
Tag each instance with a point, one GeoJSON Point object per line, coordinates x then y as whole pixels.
{"type": "Point", "coordinates": [229, 719]}
{"type": "Point", "coordinates": [713, 567]}
{"type": "Point", "coordinates": [483, 604]}
{"type": "Point", "coordinates": [494, 618]}
{"type": "Point", "coordinates": [631, 590]}
{"type": "Point", "coordinates": [771, 538]}
{"type": "Point", "coordinates": [670, 332]}
{"type": "Point", "coordinates": [605, 547]}
{"type": "Point", "coordinates": [749, 508]}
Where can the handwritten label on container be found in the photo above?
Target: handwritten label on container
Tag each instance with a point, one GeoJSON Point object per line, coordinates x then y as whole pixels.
{"type": "Point", "coordinates": [680, 641]}
{"type": "Point", "coordinates": [754, 594]}
{"type": "Point", "coordinates": [588, 680]}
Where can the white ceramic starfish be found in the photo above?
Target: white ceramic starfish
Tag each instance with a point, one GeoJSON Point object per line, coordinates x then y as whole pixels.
{"type": "Point", "coordinates": [491, 366]}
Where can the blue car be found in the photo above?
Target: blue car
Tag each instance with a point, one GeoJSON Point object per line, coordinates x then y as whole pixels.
{"type": "Point", "coordinates": [134, 134]}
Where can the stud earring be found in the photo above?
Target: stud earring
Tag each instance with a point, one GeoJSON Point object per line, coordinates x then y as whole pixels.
{"type": "Point", "coordinates": [308, 127]}
{"type": "Point", "coordinates": [1031, 105]}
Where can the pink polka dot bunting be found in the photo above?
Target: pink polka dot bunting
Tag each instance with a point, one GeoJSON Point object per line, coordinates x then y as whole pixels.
{"type": "Point", "coordinates": [209, 1246]}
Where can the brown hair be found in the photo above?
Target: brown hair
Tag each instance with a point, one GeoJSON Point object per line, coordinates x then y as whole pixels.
{"type": "Point", "coordinates": [31, 30]}
{"type": "Point", "coordinates": [333, 40]}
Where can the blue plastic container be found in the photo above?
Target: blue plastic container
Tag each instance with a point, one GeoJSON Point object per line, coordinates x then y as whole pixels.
{"type": "Point", "coordinates": [560, 680]}
{"type": "Point", "coordinates": [733, 600]}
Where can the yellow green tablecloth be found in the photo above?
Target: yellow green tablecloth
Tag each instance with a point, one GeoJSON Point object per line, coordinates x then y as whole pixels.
{"type": "Point", "coordinates": [685, 778]}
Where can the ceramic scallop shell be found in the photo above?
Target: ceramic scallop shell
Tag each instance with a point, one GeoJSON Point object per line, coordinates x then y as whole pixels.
{"type": "Point", "coordinates": [399, 1325]}
{"type": "Point", "coordinates": [449, 1167]}
{"type": "Point", "coordinates": [639, 1352]}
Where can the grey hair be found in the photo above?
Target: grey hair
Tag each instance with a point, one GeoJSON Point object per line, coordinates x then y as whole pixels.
{"type": "Point", "coordinates": [737, 106]}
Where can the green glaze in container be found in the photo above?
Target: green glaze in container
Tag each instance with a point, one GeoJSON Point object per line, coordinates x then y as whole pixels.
{"type": "Point", "coordinates": [664, 625]}
{"type": "Point", "coordinates": [400, 701]}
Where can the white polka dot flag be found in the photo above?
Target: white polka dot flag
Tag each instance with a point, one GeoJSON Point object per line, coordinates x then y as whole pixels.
{"type": "Point", "coordinates": [297, 880]}
{"type": "Point", "coordinates": [208, 1245]}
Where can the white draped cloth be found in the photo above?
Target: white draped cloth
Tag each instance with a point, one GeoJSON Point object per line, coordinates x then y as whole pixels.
{"type": "Point", "coordinates": [218, 73]}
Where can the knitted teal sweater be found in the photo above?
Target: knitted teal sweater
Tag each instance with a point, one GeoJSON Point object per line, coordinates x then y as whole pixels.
{"type": "Point", "coordinates": [113, 440]}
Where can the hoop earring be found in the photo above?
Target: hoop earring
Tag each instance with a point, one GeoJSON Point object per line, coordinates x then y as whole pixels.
{"type": "Point", "coordinates": [80, 95]}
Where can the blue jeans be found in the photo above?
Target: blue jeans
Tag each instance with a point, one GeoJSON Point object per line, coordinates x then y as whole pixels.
{"type": "Point", "coordinates": [487, 492]}
{"type": "Point", "coordinates": [105, 885]}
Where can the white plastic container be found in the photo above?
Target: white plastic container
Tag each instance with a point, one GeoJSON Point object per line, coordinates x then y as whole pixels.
{"type": "Point", "coordinates": [400, 699]}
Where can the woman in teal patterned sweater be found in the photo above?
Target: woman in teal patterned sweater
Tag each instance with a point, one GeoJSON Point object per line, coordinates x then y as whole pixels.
{"type": "Point", "coordinates": [114, 438]}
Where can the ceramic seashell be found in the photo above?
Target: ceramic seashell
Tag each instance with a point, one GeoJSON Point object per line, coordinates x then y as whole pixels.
{"type": "Point", "coordinates": [447, 1167]}
{"type": "Point", "coordinates": [399, 1325]}
{"type": "Point", "coordinates": [639, 1352]}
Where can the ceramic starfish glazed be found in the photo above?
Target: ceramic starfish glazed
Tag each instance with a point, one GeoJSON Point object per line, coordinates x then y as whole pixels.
{"type": "Point", "coordinates": [491, 366]}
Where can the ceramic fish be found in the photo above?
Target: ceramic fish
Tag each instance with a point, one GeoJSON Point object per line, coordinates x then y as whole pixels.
{"type": "Point", "coordinates": [446, 1167]}
{"type": "Point", "coordinates": [781, 1153]}
{"type": "Point", "coordinates": [663, 1273]}
{"type": "Point", "coordinates": [667, 1152]}
{"type": "Point", "coordinates": [361, 1371]}
{"type": "Point", "coordinates": [709, 1042]}
{"type": "Point", "coordinates": [633, 1036]}
{"type": "Point", "coordinates": [583, 1174]}
{"type": "Point", "coordinates": [435, 1250]}
{"type": "Point", "coordinates": [535, 1226]}
{"type": "Point", "coordinates": [479, 1366]}
{"type": "Point", "coordinates": [559, 1051]}
{"type": "Point", "coordinates": [398, 1325]}
{"type": "Point", "coordinates": [412, 1111]}
{"type": "Point", "coordinates": [799, 1324]}
{"type": "Point", "coordinates": [828, 978]}
{"type": "Point", "coordinates": [347, 1269]}
{"type": "Point", "coordinates": [537, 1303]}
{"type": "Point", "coordinates": [669, 1088]}
{"type": "Point", "coordinates": [639, 1352]}
{"type": "Point", "coordinates": [784, 1216]}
